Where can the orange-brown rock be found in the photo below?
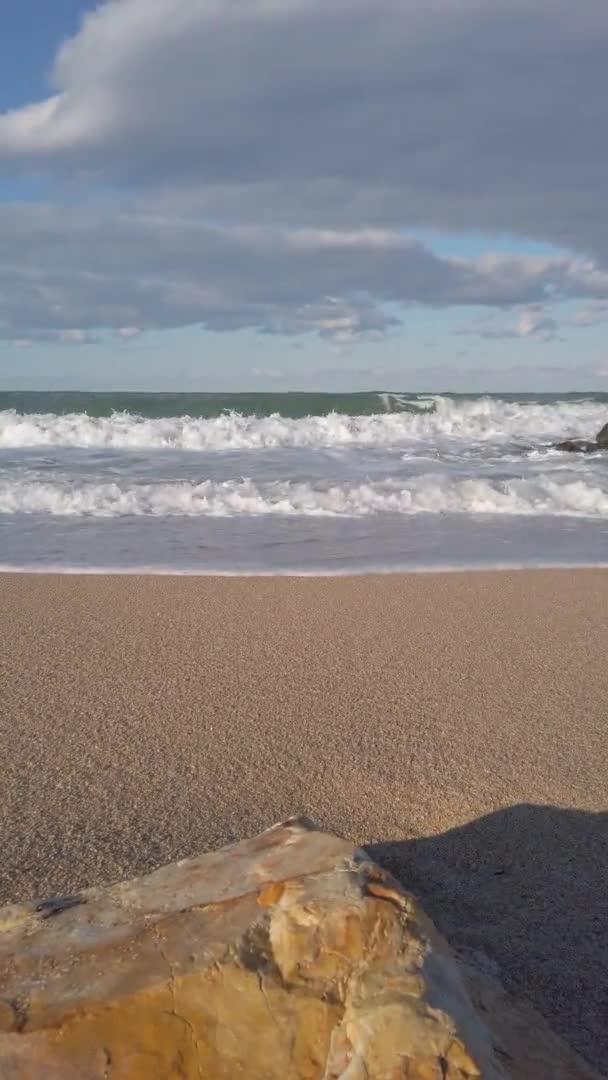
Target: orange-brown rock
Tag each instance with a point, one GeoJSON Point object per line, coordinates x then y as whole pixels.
{"type": "Point", "coordinates": [286, 957]}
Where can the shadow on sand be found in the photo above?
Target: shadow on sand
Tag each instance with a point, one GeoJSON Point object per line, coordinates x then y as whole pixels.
{"type": "Point", "coordinates": [526, 890]}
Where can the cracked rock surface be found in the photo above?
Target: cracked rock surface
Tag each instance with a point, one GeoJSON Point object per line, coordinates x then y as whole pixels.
{"type": "Point", "coordinates": [287, 956]}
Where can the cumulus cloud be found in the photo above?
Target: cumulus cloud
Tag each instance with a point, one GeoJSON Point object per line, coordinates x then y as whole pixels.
{"type": "Point", "coordinates": [131, 272]}
{"type": "Point", "coordinates": [534, 322]}
{"type": "Point", "coordinates": [485, 114]}
{"type": "Point", "coordinates": [262, 164]}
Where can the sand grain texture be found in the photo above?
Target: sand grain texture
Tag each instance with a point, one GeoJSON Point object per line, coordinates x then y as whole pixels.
{"type": "Point", "coordinates": [459, 721]}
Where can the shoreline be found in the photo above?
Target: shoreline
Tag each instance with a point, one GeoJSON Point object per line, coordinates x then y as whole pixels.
{"type": "Point", "coordinates": [453, 722]}
{"type": "Point", "coordinates": [374, 571]}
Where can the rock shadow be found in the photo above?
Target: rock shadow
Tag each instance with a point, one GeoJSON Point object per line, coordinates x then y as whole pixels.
{"type": "Point", "coordinates": [525, 892]}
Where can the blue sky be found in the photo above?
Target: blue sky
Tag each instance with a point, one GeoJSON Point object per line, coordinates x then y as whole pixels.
{"type": "Point", "coordinates": [33, 31]}
{"type": "Point", "coordinates": [299, 194]}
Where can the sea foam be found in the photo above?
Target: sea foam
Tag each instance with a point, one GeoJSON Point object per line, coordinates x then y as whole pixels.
{"type": "Point", "coordinates": [542, 495]}
{"type": "Point", "coordinates": [484, 420]}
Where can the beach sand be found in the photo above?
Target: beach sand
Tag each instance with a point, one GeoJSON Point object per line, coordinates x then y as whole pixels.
{"type": "Point", "coordinates": [457, 722]}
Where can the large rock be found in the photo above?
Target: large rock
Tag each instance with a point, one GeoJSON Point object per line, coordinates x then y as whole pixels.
{"type": "Point", "coordinates": [284, 957]}
{"type": "Point", "coordinates": [584, 446]}
{"type": "Point", "coordinates": [578, 446]}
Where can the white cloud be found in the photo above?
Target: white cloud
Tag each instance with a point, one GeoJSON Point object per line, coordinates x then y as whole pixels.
{"type": "Point", "coordinates": [127, 333]}
{"type": "Point", "coordinates": [534, 322]}
{"type": "Point", "coordinates": [130, 272]}
{"type": "Point", "coordinates": [481, 114]}
{"type": "Point", "coordinates": [317, 134]}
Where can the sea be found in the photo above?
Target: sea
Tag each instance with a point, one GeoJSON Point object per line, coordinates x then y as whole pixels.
{"type": "Point", "coordinates": [304, 483]}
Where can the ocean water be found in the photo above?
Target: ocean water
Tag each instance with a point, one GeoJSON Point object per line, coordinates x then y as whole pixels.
{"type": "Point", "coordinates": [301, 483]}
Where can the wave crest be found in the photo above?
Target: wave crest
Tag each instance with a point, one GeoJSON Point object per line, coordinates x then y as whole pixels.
{"type": "Point", "coordinates": [429, 494]}
{"type": "Point", "coordinates": [484, 420]}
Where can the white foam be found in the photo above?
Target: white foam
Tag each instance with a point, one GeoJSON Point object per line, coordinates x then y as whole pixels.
{"type": "Point", "coordinates": [485, 420]}
{"type": "Point", "coordinates": [315, 572]}
{"type": "Point", "coordinates": [543, 495]}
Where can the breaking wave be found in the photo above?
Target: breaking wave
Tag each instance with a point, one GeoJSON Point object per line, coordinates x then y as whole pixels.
{"type": "Point", "coordinates": [483, 420]}
{"type": "Point", "coordinates": [431, 494]}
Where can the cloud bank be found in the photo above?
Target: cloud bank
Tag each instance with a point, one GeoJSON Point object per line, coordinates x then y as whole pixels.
{"type": "Point", "coordinates": [68, 272]}
{"type": "Point", "coordinates": [270, 154]}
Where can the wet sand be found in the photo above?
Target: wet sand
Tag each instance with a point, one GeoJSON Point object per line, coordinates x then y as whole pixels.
{"type": "Point", "coordinates": [458, 722]}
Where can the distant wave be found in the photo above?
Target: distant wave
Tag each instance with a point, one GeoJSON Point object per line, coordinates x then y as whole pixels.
{"type": "Point", "coordinates": [208, 406]}
{"type": "Point", "coordinates": [542, 495]}
{"type": "Point", "coordinates": [482, 420]}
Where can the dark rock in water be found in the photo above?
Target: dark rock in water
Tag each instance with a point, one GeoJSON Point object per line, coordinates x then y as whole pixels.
{"type": "Point", "coordinates": [584, 446]}
{"type": "Point", "coordinates": [579, 446]}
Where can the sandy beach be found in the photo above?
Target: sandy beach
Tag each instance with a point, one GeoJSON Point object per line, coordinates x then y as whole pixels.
{"type": "Point", "coordinates": [458, 723]}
